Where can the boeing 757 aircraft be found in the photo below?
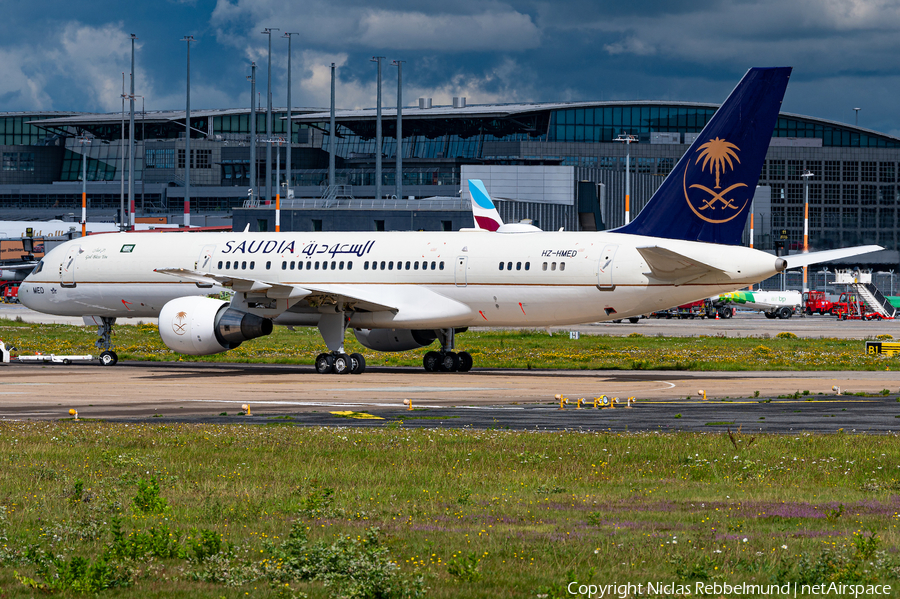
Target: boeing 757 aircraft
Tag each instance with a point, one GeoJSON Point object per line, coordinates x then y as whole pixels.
{"type": "Point", "coordinates": [403, 290]}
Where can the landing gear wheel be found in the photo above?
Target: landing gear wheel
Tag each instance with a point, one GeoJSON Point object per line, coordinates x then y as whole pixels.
{"type": "Point", "coordinates": [449, 362]}
{"type": "Point", "coordinates": [109, 358]}
{"type": "Point", "coordinates": [431, 361]}
{"type": "Point", "coordinates": [325, 364]}
{"type": "Point", "coordinates": [358, 364]}
{"type": "Point", "coordinates": [465, 361]}
{"type": "Point", "coordinates": [342, 364]}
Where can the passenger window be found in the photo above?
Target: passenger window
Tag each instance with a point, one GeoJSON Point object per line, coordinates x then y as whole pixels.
{"type": "Point", "coordinates": [317, 265]}
{"type": "Point", "coordinates": [292, 265]}
{"type": "Point", "coordinates": [325, 265]}
{"type": "Point", "coordinates": [350, 265]}
{"type": "Point", "coordinates": [407, 265]}
{"type": "Point", "coordinates": [308, 265]}
{"type": "Point", "coordinates": [562, 265]}
{"type": "Point", "coordinates": [501, 266]}
{"type": "Point", "coordinates": [391, 265]}
{"type": "Point", "coordinates": [518, 266]}
{"type": "Point", "coordinates": [553, 266]}
{"type": "Point", "coordinates": [244, 265]}
{"type": "Point", "coordinates": [442, 265]}
{"type": "Point", "coordinates": [382, 265]}
{"type": "Point", "coordinates": [341, 265]}
{"type": "Point", "coordinates": [284, 265]}
{"type": "Point", "coordinates": [252, 264]}
{"type": "Point", "coordinates": [527, 265]}
{"type": "Point", "coordinates": [299, 265]}
{"type": "Point", "coordinates": [509, 266]}
{"type": "Point", "coordinates": [332, 265]}
{"type": "Point", "coordinates": [41, 265]}
{"type": "Point", "coordinates": [366, 265]}
{"type": "Point", "coordinates": [269, 265]}
{"type": "Point", "coordinates": [416, 265]}
{"type": "Point", "coordinates": [432, 265]}
{"type": "Point", "coordinates": [545, 266]}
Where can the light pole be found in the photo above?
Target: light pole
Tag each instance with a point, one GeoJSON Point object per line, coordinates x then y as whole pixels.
{"type": "Point", "coordinates": [290, 123]}
{"type": "Point", "coordinates": [856, 110]}
{"type": "Point", "coordinates": [131, 140]}
{"type": "Point", "coordinates": [378, 59]}
{"type": "Point", "coordinates": [399, 157]}
{"type": "Point", "coordinates": [122, 168]}
{"type": "Point", "coordinates": [253, 165]}
{"type": "Point", "coordinates": [268, 31]}
{"type": "Point", "coordinates": [627, 139]}
{"type": "Point", "coordinates": [806, 175]}
{"type": "Point", "coordinates": [331, 136]}
{"type": "Point", "coordinates": [269, 142]}
{"type": "Point", "coordinates": [187, 137]}
{"type": "Point", "coordinates": [84, 140]}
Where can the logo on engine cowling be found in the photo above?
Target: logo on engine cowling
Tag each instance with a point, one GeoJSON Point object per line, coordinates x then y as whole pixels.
{"type": "Point", "coordinates": [180, 322]}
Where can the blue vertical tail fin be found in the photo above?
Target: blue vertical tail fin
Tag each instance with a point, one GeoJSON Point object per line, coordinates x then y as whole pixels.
{"type": "Point", "coordinates": [707, 195]}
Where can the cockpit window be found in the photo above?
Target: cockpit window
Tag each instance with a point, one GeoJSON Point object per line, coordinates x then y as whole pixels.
{"type": "Point", "coordinates": [38, 268]}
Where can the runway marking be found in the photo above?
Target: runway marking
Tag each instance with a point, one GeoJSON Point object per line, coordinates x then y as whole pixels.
{"type": "Point", "coordinates": [416, 389]}
{"type": "Point", "coordinates": [345, 403]}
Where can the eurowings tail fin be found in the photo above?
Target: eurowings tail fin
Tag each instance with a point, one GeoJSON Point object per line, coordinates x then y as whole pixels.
{"type": "Point", "coordinates": [483, 209]}
{"type": "Point", "coordinates": [707, 195]}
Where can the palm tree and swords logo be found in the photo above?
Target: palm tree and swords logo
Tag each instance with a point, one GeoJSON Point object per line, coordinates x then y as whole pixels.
{"type": "Point", "coordinates": [718, 155]}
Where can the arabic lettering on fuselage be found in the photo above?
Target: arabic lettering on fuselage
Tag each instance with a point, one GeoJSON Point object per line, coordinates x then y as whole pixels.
{"type": "Point", "coordinates": [287, 247]}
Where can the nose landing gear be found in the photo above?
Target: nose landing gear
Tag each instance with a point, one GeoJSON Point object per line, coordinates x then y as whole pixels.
{"type": "Point", "coordinates": [104, 331]}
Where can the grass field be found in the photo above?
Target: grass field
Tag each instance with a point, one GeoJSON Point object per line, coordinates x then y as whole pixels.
{"type": "Point", "coordinates": [490, 349]}
{"type": "Point", "coordinates": [277, 511]}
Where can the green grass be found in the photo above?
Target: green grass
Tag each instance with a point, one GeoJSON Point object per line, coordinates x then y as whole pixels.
{"type": "Point", "coordinates": [162, 510]}
{"type": "Point", "coordinates": [491, 349]}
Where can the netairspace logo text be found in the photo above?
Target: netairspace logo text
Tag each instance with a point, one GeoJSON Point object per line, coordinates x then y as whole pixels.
{"type": "Point", "coordinates": [629, 589]}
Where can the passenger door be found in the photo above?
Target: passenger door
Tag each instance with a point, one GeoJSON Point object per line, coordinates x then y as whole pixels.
{"type": "Point", "coordinates": [605, 268]}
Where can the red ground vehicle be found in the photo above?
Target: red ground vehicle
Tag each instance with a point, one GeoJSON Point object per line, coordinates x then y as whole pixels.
{"type": "Point", "coordinates": [850, 307]}
{"type": "Point", "coordinates": [816, 302]}
{"type": "Point", "coordinates": [9, 291]}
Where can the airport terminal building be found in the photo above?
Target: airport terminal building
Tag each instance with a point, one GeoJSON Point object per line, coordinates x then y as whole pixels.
{"type": "Point", "coordinates": [554, 163]}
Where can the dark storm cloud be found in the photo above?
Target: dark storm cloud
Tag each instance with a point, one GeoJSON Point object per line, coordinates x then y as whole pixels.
{"type": "Point", "coordinates": [62, 55]}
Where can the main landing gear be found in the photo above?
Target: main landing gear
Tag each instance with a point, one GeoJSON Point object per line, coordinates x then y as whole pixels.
{"type": "Point", "coordinates": [104, 330]}
{"type": "Point", "coordinates": [333, 327]}
{"type": "Point", "coordinates": [447, 360]}
{"type": "Point", "coordinates": [340, 363]}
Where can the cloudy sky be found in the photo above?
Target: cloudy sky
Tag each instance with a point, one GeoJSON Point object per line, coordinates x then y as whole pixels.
{"type": "Point", "coordinates": [57, 55]}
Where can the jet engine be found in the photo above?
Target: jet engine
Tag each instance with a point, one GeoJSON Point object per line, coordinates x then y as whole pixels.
{"type": "Point", "coordinates": [201, 326]}
{"type": "Point", "coordinates": [394, 339]}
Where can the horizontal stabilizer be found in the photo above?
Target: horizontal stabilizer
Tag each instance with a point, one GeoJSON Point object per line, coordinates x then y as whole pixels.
{"type": "Point", "coordinates": [797, 260]}
{"type": "Point", "coordinates": [670, 266]}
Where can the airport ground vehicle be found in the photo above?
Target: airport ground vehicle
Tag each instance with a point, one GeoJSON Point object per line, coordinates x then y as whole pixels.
{"type": "Point", "coordinates": [851, 307]}
{"type": "Point", "coordinates": [9, 292]}
{"type": "Point", "coordinates": [816, 302]}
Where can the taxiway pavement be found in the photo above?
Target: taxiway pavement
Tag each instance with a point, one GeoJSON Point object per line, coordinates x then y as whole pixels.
{"type": "Point", "coordinates": [514, 399]}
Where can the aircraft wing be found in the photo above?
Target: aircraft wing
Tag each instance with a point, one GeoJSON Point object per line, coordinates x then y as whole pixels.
{"type": "Point", "coordinates": [673, 267]}
{"type": "Point", "coordinates": [797, 260]}
{"type": "Point", "coordinates": [314, 294]}
{"type": "Point", "coordinates": [21, 266]}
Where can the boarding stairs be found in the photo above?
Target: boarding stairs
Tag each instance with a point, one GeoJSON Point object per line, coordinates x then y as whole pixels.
{"type": "Point", "coordinates": [874, 299]}
{"type": "Point", "coordinates": [860, 282]}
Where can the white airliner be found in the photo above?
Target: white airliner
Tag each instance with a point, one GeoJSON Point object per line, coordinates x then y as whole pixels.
{"type": "Point", "coordinates": [403, 290]}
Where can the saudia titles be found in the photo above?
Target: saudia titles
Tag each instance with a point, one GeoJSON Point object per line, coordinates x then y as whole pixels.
{"type": "Point", "coordinates": [715, 204]}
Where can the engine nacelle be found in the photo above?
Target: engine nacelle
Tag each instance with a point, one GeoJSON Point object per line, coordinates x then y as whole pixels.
{"type": "Point", "coordinates": [394, 339]}
{"type": "Point", "coordinates": [201, 326]}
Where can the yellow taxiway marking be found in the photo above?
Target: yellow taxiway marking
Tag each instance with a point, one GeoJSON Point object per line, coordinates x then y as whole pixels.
{"type": "Point", "coordinates": [358, 415]}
